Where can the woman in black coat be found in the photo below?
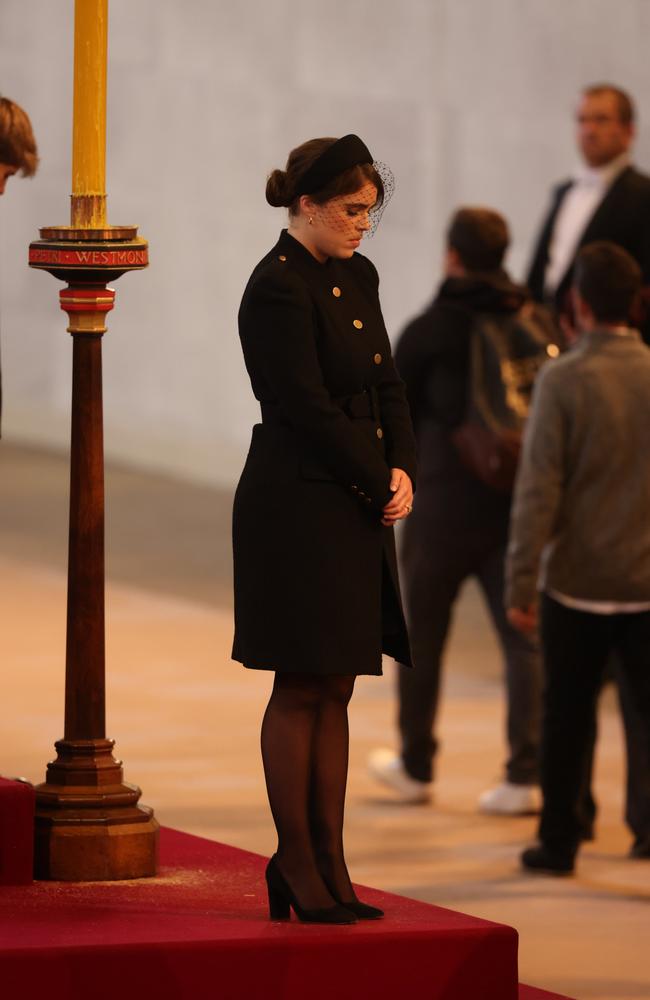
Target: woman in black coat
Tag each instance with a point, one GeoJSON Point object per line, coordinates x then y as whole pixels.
{"type": "Point", "coordinates": [329, 471]}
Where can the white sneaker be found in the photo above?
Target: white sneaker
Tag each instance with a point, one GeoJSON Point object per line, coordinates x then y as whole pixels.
{"type": "Point", "coordinates": [386, 766]}
{"type": "Point", "coordinates": [507, 799]}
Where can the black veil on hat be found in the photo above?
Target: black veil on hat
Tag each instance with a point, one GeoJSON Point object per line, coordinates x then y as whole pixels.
{"type": "Point", "coordinates": [349, 151]}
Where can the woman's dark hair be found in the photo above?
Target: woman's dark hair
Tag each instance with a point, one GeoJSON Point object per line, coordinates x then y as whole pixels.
{"type": "Point", "coordinates": [282, 184]}
{"type": "Point", "coordinates": [608, 279]}
{"type": "Point", "coordinates": [480, 238]}
{"type": "Point", "coordinates": [17, 143]}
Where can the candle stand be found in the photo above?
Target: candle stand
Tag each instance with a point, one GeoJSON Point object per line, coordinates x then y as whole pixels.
{"type": "Point", "coordinates": [88, 823]}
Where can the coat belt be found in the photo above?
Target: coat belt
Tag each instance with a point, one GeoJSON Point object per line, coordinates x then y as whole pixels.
{"type": "Point", "coordinates": [358, 406]}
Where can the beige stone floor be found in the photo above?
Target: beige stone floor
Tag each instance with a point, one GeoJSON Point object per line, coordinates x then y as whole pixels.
{"type": "Point", "coordinates": [186, 723]}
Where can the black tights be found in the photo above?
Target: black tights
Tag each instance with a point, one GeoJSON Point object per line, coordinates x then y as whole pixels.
{"type": "Point", "coordinates": [305, 754]}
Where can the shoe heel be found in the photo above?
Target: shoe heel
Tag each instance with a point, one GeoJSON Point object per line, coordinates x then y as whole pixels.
{"type": "Point", "coordinates": [279, 906]}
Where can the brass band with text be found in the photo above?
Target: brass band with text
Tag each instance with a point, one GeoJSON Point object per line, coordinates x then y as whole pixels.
{"type": "Point", "coordinates": [133, 257]}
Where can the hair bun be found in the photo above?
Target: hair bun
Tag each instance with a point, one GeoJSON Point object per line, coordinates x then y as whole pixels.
{"type": "Point", "coordinates": [276, 190]}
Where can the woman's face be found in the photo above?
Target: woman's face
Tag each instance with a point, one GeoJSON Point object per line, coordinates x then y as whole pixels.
{"type": "Point", "coordinates": [339, 224]}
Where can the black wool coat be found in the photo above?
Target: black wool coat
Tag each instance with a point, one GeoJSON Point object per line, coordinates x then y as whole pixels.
{"type": "Point", "coordinates": [315, 574]}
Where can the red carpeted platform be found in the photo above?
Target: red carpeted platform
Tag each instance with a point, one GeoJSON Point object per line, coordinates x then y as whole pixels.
{"type": "Point", "coordinates": [532, 993]}
{"type": "Point", "coordinates": [16, 832]}
{"type": "Point", "coordinates": [200, 930]}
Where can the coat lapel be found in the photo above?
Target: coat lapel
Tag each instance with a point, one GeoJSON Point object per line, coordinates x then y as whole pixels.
{"type": "Point", "coordinates": [540, 259]}
{"type": "Point", "coordinates": [600, 220]}
{"type": "Point", "coordinates": [599, 223]}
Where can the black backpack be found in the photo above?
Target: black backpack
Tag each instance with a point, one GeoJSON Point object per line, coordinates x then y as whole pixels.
{"type": "Point", "coordinates": [506, 352]}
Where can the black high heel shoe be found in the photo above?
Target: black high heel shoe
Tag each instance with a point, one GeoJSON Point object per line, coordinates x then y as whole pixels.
{"type": "Point", "coordinates": [362, 911]}
{"type": "Point", "coordinates": [282, 900]}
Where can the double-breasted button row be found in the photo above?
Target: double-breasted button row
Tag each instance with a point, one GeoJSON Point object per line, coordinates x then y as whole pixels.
{"type": "Point", "coordinates": [360, 493]}
{"type": "Point", "coordinates": [356, 323]}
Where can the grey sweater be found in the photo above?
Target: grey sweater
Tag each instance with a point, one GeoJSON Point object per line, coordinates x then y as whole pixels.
{"type": "Point", "coordinates": [580, 520]}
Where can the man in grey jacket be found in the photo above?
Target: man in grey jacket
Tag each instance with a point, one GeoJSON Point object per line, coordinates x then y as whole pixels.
{"type": "Point", "coordinates": [581, 524]}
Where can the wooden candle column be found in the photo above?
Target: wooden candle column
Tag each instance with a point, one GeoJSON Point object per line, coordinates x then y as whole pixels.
{"type": "Point", "coordinates": [89, 825]}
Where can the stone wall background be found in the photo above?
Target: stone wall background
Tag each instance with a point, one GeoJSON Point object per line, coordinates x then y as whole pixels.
{"type": "Point", "coordinates": [467, 101]}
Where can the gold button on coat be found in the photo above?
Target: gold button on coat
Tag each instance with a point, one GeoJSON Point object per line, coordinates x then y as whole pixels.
{"type": "Point", "coordinates": [336, 292]}
{"type": "Point", "coordinates": [377, 359]}
{"type": "Point", "coordinates": [358, 324]}
{"type": "Point", "coordinates": [380, 433]}
{"type": "Point", "coordinates": [282, 257]}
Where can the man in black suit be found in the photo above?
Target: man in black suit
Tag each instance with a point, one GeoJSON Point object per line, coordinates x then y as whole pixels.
{"type": "Point", "coordinates": [606, 199]}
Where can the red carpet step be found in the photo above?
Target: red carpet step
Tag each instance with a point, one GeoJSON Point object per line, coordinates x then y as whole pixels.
{"type": "Point", "coordinates": [16, 832]}
{"type": "Point", "coordinates": [200, 930]}
{"type": "Point", "coordinates": [532, 993]}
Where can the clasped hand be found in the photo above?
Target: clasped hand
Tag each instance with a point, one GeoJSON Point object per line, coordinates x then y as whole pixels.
{"type": "Point", "coordinates": [401, 502]}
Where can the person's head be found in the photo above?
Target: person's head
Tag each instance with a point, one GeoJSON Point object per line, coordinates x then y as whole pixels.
{"type": "Point", "coordinates": [477, 239]}
{"type": "Point", "coordinates": [17, 144]}
{"type": "Point", "coordinates": [604, 123]}
{"type": "Point", "coordinates": [330, 186]}
{"type": "Point", "coordinates": [606, 283]}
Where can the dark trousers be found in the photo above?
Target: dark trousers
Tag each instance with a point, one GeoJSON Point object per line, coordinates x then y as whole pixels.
{"type": "Point", "coordinates": [435, 564]}
{"type": "Point", "coordinates": [577, 646]}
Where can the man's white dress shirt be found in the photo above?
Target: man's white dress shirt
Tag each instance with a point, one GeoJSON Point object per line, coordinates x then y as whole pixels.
{"type": "Point", "coordinates": [590, 185]}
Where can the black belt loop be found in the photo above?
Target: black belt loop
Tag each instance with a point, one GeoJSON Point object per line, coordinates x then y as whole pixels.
{"type": "Point", "coordinates": [374, 403]}
{"type": "Point", "coordinates": [359, 406]}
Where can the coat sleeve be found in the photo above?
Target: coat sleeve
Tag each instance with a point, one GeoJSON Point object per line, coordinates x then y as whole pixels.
{"type": "Point", "coordinates": [277, 328]}
{"type": "Point", "coordinates": [396, 422]}
{"type": "Point", "coordinates": [413, 360]}
{"type": "Point", "coordinates": [538, 491]}
{"type": "Point", "coordinates": [401, 452]}
{"type": "Point", "coordinates": [432, 357]}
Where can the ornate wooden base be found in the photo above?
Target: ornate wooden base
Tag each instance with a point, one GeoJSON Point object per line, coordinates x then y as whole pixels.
{"type": "Point", "coordinates": [88, 824]}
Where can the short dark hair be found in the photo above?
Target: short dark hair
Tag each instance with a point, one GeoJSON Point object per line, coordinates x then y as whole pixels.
{"type": "Point", "coordinates": [608, 279]}
{"type": "Point", "coordinates": [281, 184]}
{"type": "Point", "coordinates": [480, 237]}
{"type": "Point", "coordinates": [626, 109]}
{"type": "Point", "coordinates": [17, 143]}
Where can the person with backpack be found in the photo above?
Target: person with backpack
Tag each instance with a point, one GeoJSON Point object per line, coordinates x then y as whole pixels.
{"type": "Point", "coordinates": [468, 363]}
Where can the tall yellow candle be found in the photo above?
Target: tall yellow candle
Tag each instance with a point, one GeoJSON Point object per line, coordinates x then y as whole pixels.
{"type": "Point", "coordinates": [89, 116]}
